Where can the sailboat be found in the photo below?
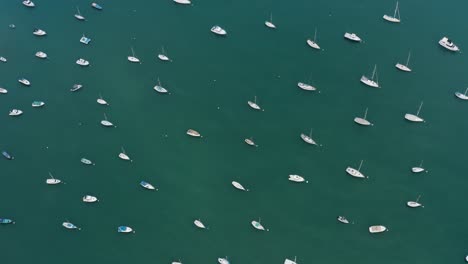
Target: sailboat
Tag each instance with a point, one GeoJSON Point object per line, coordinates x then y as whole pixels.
{"type": "Point", "coordinates": [254, 104]}
{"type": "Point", "coordinates": [394, 18]}
{"type": "Point", "coordinates": [313, 43]}
{"type": "Point", "coordinates": [258, 225]}
{"type": "Point", "coordinates": [101, 101]}
{"type": "Point", "coordinates": [239, 186]}
{"type": "Point", "coordinates": [69, 225]}
{"type": "Point", "coordinates": [86, 161]}
{"type": "Point", "coordinates": [41, 55]}
{"type": "Point", "coordinates": [250, 142]}
{"type": "Point", "coordinates": [158, 88]}
{"type": "Point", "coordinates": [199, 224]}
{"type": "Point", "coordinates": [124, 155]}
{"type": "Point", "coordinates": [362, 120]}
{"type": "Point", "coordinates": [419, 168]}
{"type": "Point", "coordinates": [288, 261]}
{"type": "Point", "coordinates": [370, 82]}
{"type": "Point", "coordinates": [270, 22]}
{"type": "Point", "coordinates": [405, 67]}
{"type": "Point", "coordinates": [125, 229]}
{"type": "Point", "coordinates": [106, 122]}
{"type": "Point", "coordinates": [133, 58]}
{"type": "Point", "coordinates": [223, 261]}
{"type": "Point", "coordinates": [193, 133]}
{"type": "Point", "coordinates": [183, 2]}
{"type": "Point", "coordinates": [163, 55]}
{"type": "Point", "coordinates": [52, 180]}
{"type": "Point", "coordinates": [415, 118]}
{"type": "Point", "coordinates": [343, 220]}
{"type": "Point", "coordinates": [78, 15]}
{"type": "Point", "coordinates": [356, 173]}
{"type": "Point", "coordinates": [3, 91]}
{"type": "Point", "coordinates": [305, 86]}
{"type": "Point", "coordinates": [147, 185]}
{"type": "Point", "coordinates": [414, 204]}
{"type": "Point", "coordinates": [462, 96]}
{"type": "Point", "coordinates": [308, 138]}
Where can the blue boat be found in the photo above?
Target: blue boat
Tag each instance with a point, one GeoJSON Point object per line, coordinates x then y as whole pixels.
{"type": "Point", "coordinates": [97, 6]}
{"type": "Point", "coordinates": [6, 155]}
{"type": "Point", "coordinates": [5, 221]}
{"type": "Point", "coordinates": [124, 229]}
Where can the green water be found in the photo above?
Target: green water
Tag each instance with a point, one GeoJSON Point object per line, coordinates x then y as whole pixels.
{"type": "Point", "coordinates": [194, 175]}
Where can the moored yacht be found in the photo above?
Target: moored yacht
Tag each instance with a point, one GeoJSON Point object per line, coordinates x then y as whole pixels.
{"type": "Point", "coordinates": [448, 44]}
{"type": "Point", "coordinates": [414, 204]}
{"type": "Point", "coordinates": [28, 3]}
{"type": "Point", "coordinates": [39, 32]}
{"type": "Point", "coordinates": [308, 138]}
{"type": "Point", "coordinates": [377, 229]}
{"type": "Point", "coordinates": [158, 88]}
{"type": "Point", "coordinates": [257, 225]}
{"type": "Point", "coordinates": [183, 2]}
{"type": "Point", "coordinates": [101, 100]}
{"type": "Point", "coordinates": [405, 67]}
{"type": "Point", "coordinates": [343, 220]}
{"type": "Point", "coordinates": [250, 142]}
{"type": "Point", "coordinates": [123, 155]}
{"type": "Point", "coordinates": [15, 112]}
{"type": "Point", "coordinates": [396, 16]}
{"type": "Point", "coordinates": [296, 178]}
{"type": "Point", "coordinates": [199, 224]}
{"type": "Point", "coordinates": [313, 43]}
{"type": "Point", "coordinates": [147, 185]}
{"type": "Point", "coordinates": [41, 55]}
{"type": "Point", "coordinates": [419, 168]}
{"type": "Point", "coordinates": [238, 186]}
{"type": "Point", "coordinates": [355, 173]}
{"type": "Point", "coordinates": [362, 120]}
{"type": "Point", "coordinates": [3, 59]}
{"type": "Point", "coordinates": [96, 6]}
{"type": "Point", "coordinates": [85, 40]}
{"type": "Point", "coordinates": [86, 161]}
{"type": "Point", "coordinates": [218, 30]}
{"type": "Point", "coordinates": [52, 180]}
{"type": "Point", "coordinates": [462, 96]}
{"type": "Point", "coordinates": [193, 133]}
{"type": "Point", "coordinates": [352, 37]}
{"type": "Point", "coordinates": [76, 87]}
{"type": "Point", "coordinates": [78, 15]}
{"type": "Point", "coordinates": [133, 58]}
{"type": "Point", "coordinates": [7, 155]}
{"type": "Point", "coordinates": [106, 122]}
{"type": "Point", "coordinates": [162, 56]}
{"type": "Point", "coordinates": [125, 229]}
{"type": "Point", "coordinates": [37, 104]}
{"type": "Point", "coordinates": [223, 261]}
{"type": "Point", "coordinates": [254, 104]}
{"type": "Point", "coordinates": [269, 23]}
{"type": "Point", "coordinates": [3, 90]}
{"type": "Point", "coordinates": [82, 62]}
{"type": "Point", "coordinates": [371, 82]}
{"type": "Point", "coordinates": [90, 199]}
{"type": "Point", "coordinates": [5, 221]}
{"type": "Point", "coordinates": [24, 81]}
{"type": "Point", "coordinates": [69, 225]}
{"type": "Point", "coordinates": [415, 118]}
{"type": "Point", "coordinates": [288, 261]}
{"type": "Point", "coordinates": [305, 86]}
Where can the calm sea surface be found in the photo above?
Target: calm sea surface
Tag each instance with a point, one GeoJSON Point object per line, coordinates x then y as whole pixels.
{"type": "Point", "coordinates": [210, 80]}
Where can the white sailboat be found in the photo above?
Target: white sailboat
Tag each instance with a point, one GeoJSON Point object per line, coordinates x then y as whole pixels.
{"type": "Point", "coordinates": [199, 224]}
{"type": "Point", "coordinates": [296, 178]}
{"type": "Point", "coordinates": [415, 118]}
{"type": "Point", "coordinates": [52, 180]}
{"type": "Point", "coordinates": [133, 58]}
{"type": "Point", "coordinates": [362, 120]}
{"type": "Point", "coordinates": [394, 18]}
{"type": "Point", "coordinates": [254, 104]}
{"type": "Point", "coordinates": [3, 90]}
{"type": "Point", "coordinates": [78, 15]}
{"type": "Point", "coordinates": [313, 43]}
{"type": "Point", "coordinates": [239, 186]}
{"type": "Point", "coordinates": [305, 86]}
{"type": "Point", "coordinates": [218, 30]}
{"type": "Point", "coordinates": [462, 96]}
{"type": "Point", "coordinates": [308, 138]}
{"type": "Point", "coordinates": [223, 261]}
{"type": "Point", "coordinates": [41, 55]}
{"type": "Point", "coordinates": [123, 155]}
{"type": "Point", "coordinates": [101, 100]}
{"type": "Point", "coordinates": [158, 88]}
{"type": "Point", "coordinates": [371, 82]}
{"type": "Point", "coordinates": [356, 173]}
{"type": "Point", "coordinates": [250, 142]}
{"type": "Point", "coordinates": [162, 56]}
{"type": "Point", "coordinates": [414, 204]}
{"type": "Point", "coordinates": [39, 32]}
{"type": "Point", "coordinates": [270, 22]}
{"type": "Point", "coordinates": [106, 122]}
{"type": "Point", "coordinates": [288, 261]}
{"type": "Point", "coordinates": [377, 229]}
{"type": "Point", "coordinates": [183, 2]}
{"type": "Point", "coordinates": [258, 225]}
{"type": "Point", "coordinates": [405, 67]}
{"type": "Point", "coordinates": [419, 168]}
{"type": "Point", "coordinates": [193, 133]}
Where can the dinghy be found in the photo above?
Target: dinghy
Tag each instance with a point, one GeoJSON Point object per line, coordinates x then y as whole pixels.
{"type": "Point", "coordinates": [305, 86]}
{"type": "Point", "coordinates": [6, 221]}
{"type": "Point", "coordinates": [352, 37]}
{"type": "Point", "coordinates": [106, 122]}
{"type": "Point", "coordinates": [125, 229]}
{"type": "Point", "coordinates": [39, 32]}
{"type": "Point", "coordinates": [218, 30]}
{"type": "Point", "coordinates": [223, 261]}
{"type": "Point", "coordinates": [405, 67]}
{"type": "Point", "coordinates": [199, 224]}
{"type": "Point", "coordinates": [362, 120]}
{"type": "Point", "coordinates": [394, 18]}
{"type": "Point", "coordinates": [89, 199]}
{"type": "Point", "coordinates": [15, 112]}
{"type": "Point", "coordinates": [69, 225]}
{"type": "Point", "coordinates": [38, 104]}
{"type": "Point", "coordinates": [85, 40]}
{"type": "Point", "coordinates": [3, 90]}
{"type": "Point", "coordinates": [377, 229]}
{"type": "Point", "coordinates": [414, 204]}
{"type": "Point", "coordinates": [258, 225]}
{"type": "Point", "coordinates": [24, 81]}
{"type": "Point", "coordinates": [254, 104]}
{"type": "Point", "coordinates": [296, 178]}
{"type": "Point", "coordinates": [448, 44]}
{"type": "Point", "coordinates": [41, 55]}
{"type": "Point", "coordinates": [163, 55]}
{"type": "Point", "coordinates": [82, 62]}
{"type": "Point", "coordinates": [250, 142]}
{"type": "Point", "coordinates": [147, 185]}
{"type": "Point", "coordinates": [96, 6]}
{"type": "Point", "coordinates": [370, 82]}
{"type": "Point", "coordinates": [133, 58]}
{"type": "Point", "coordinates": [462, 96]}
{"type": "Point", "coordinates": [193, 133]}
{"type": "Point", "coordinates": [7, 155]}
{"type": "Point", "coordinates": [269, 23]}
{"type": "Point", "coordinates": [308, 138]}
{"type": "Point", "coordinates": [123, 155]}
{"type": "Point", "coordinates": [101, 101]}
{"type": "Point", "coordinates": [313, 43]}
{"type": "Point", "coordinates": [415, 118]}
{"type": "Point", "coordinates": [356, 173]}
{"type": "Point", "coordinates": [78, 15]}
{"type": "Point", "coordinates": [52, 180]}
{"type": "Point", "coordinates": [183, 2]}
{"type": "Point", "coordinates": [288, 261]}
{"type": "Point", "coordinates": [28, 3]}
{"type": "Point", "coordinates": [418, 168]}
{"type": "Point", "coordinates": [86, 161]}
{"type": "Point", "coordinates": [343, 220]}
{"type": "Point", "coordinates": [238, 186]}
{"type": "Point", "coordinates": [158, 88]}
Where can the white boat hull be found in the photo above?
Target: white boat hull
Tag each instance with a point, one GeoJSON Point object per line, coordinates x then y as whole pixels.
{"type": "Point", "coordinates": [3, 91]}
{"type": "Point", "coordinates": [124, 156]}
{"type": "Point", "coordinates": [369, 82]}
{"type": "Point", "coordinates": [183, 2]}
{"type": "Point", "coordinates": [133, 59]}
{"type": "Point", "coordinates": [101, 101]}
{"type": "Point", "coordinates": [253, 105]}
{"type": "Point", "coordinates": [258, 226]}
{"type": "Point", "coordinates": [413, 118]}
{"type": "Point", "coordinates": [352, 37]}
{"type": "Point", "coordinates": [163, 57]}
{"type": "Point", "coordinates": [362, 121]}
{"type": "Point", "coordinates": [413, 204]}
{"type": "Point", "coordinates": [461, 96]}
{"type": "Point", "coordinates": [199, 224]}
{"type": "Point", "coordinates": [193, 133]}
{"type": "Point", "coordinates": [391, 19]}
{"type": "Point", "coordinates": [296, 178]}
{"type": "Point", "coordinates": [305, 86]}
{"type": "Point", "coordinates": [218, 31]}
{"type": "Point", "coordinates": [53, 181]}
{"type": "Point", "coordinates": [446, 43]}
{"type": "Point", "coordinates": [308, 139]}
{"type": "Point", "coordinates": [402, 67]}
{"type": "Point", "coordinates": [377, 229]}
{"type": "Point", "coordinates": [238, 186]}
{"type": "Point", "coordinates": [270, 24]}
{"type": "Point", "coordinates": [313, 44]}
{"type": "Point", "coordinates": [417, 169]}
{"type": "Point", "coordinates": [89, 199]}
{"type": "Point", "coordinates": [355, 173]}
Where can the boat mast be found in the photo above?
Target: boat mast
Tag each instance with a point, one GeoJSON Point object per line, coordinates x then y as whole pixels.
{"type": "Point", "coordinates": [133, 52]}
{"type": "Point", "coordinates": [396, 10]}
{"type": "Point", "coordinates": [310, 134]}
{"type": "Point", "coordinates": [50, 174]}
{"type": "Point", "coordinates": [123, 150]}
{"type": "Point", "coordinates": [359, 169]}
{"type": "Point", "coordinates": [417, 200]}
{"type": "Point", "coordinates": [466, 90]}
{"type": "Point", "coordinates": [315, 34]}
{"type": "Point", "coordinates": [271, 17]}
{"type": "Point", "coordinates": [255, 99]}
{"type": "Point", "coordinates": [105, 117]}
{"type": "Point", "coordinates": [417, 113]}
{"type": "Point", "coordinates": [365, 113]}
{"type": "Point", "coordinates": [407, 60]}
{"type": "Point", "coordinates": [420, 164]}
{"type": "Point", "coordinates": [77, 9]}
{"type": "Point", "coordinates": [373, 72]}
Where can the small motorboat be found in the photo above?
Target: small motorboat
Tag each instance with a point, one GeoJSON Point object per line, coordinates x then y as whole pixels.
{"type": "Point", "coordinates": [193, 133]}
{"type": "Point", "coordinates": [90, 199]}
{"type": "Point", "coordinates": [296, 178]}
{"type": "Point", "coordinates": [28, 3]}
{"type": "Point", "coordinates": [223, 261]}
{"type": "Point", "coordinates": [125, 229]}
{"type": "Point", "coordinates": [183, 2]}
{"type": "Point", "coordinates": [7, 155]}
{"type": "Point", "coordinates": [41, 55]}
{"type": "Point", "coordinates": [250, 142]}
{"type": "Point", "coordinates": [15, 112]}
{"type": "Point", "coordinates": [305, 86]}
{"type": "Point", "coordinates": [199, 224]}
{"type": "Point", "coordinates": [76, 87]}
{"type": "Point", "coordinates": [3, 91]}
{"type": "Point", "coordinates": [82, 62]}
{"type": "Point", "coordinates": [5, 221]}
{"type": "Point", "coordinates": [85, 40]}
{"type": "Point", "coordinates": [343, 219]}
{"type": "Point", "coordinates": [38, 104]}
{"type": "Point", "coordinates": [52, 180]}
{"type": "Point", "coordinates": [3, 59]}
{"type": "Point", "coordinates": [86, 161]}
{"type": "Point", "coordinates": [69, 225]}
{"type": "Point", "coordinates": [96, 6]}
{"type": "Point", "coordinates": [39, 32]}
{"type": "Point", "coordinates": [352, 37]}
{"type": "Point", "coordinates": [147, 185]}
{"type": "Point", "coordinates": [24, 81]}
{"type": "Point", "coordinates": [258, 225]}
{"type": "Point", "coordinates": [239, 186]}
{"type": "Point", "coordinates": [448, 44]}
{"type": "Point", "coordinates": [377, 229]}
{"type": "Point", "coordinates": [254, 104]}
{"type": "Point", "coordinates": [218, 30]}
{"type": "Point", "coordinates": [308, 139]}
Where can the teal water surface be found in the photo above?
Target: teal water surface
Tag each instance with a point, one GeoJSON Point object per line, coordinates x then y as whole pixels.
{"type": "Point", "coordinates": [210, 80]}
